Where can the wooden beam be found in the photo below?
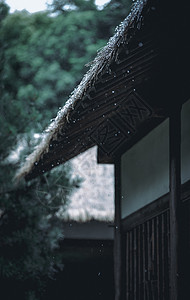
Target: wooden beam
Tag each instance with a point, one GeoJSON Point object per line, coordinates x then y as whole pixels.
{"type": "Point", "coordinates": [153, 209]}
{"type": "Point", "coordinates": [103, 157]}
{"type": "Point", "coordinates": [117, 233]}
{"type": "Point", "coordinates": [175, 203]}
{"type": "Point", "coordinates": [145, 213]}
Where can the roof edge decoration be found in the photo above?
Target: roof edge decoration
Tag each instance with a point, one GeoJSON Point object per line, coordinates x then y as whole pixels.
{"type": "Point", "coordinates": [101, 63]}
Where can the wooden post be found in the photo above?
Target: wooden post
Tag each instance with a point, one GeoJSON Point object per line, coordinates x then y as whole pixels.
{"type": "Point", "coordinates": [117, 233]}
{"type": "Point", "coordinates": [175, 202]}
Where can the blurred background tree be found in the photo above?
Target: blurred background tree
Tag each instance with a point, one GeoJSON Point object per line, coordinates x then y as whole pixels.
{"type": "Point", "coordinates": [42, 58]}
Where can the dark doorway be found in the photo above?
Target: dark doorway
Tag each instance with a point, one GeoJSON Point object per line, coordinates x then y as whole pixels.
{"type": "Point", "coordinates": [87, 273]}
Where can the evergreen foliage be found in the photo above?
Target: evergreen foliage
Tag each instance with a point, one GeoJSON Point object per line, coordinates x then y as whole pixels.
{"type": "Point", "coordinates": [42, 58]}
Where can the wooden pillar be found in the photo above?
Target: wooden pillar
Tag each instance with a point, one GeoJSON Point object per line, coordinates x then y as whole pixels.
{"type": "Point", "coordinates": [117, 233]}
{"type": "Point", "coordinates": [175, 203]}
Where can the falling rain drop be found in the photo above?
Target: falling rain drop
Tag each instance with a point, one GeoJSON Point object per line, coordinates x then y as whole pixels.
{"type": "Point", "coordinates": [140, 44]}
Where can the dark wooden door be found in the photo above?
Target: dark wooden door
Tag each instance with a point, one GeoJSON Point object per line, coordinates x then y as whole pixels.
{"type": "Point", "coordinates": [147, 259]}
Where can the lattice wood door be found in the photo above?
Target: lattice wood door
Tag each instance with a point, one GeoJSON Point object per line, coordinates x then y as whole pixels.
{"type": "Point", "coordinates": [147, 260]}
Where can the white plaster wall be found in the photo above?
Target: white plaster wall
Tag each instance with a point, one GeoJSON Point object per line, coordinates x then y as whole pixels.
{"type": "Point", "coordinates": [145, 170]}
{"type": "Point", "coordinates": [145, 167]}
{"type": "Point", "coordinates": [185, 142]}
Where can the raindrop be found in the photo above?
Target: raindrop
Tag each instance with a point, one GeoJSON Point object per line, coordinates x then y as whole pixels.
{"type": "Point", "coordinates": [128, 132]}
{"type": "Point", "coordinates": [103, 116]}
{"type": "Point", "coordinates": [52, 165]}
{"type": "Point", "coordinates": [99, 274]}
{"type": "Point", "coordinates": [128, 71]}
{"type": "Point", "coordinates": [113, 92]}
{"type": "Point", "coordinates": [115, 134]}
{"type": "Point", "coordinates": [153, 8]}
{"type": "Point", "coordinates": [36, 163]}
{"type": "Point", "coordinates": [139, 25]}
{"type": "Point", "coordinates": [134, 89]}
{"type": "Point", "coordinates": [43, 171]}
{"type": "Point", "coordinates": [140, 44]}
{"type": "Point", "coordinates": [115, 103]}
